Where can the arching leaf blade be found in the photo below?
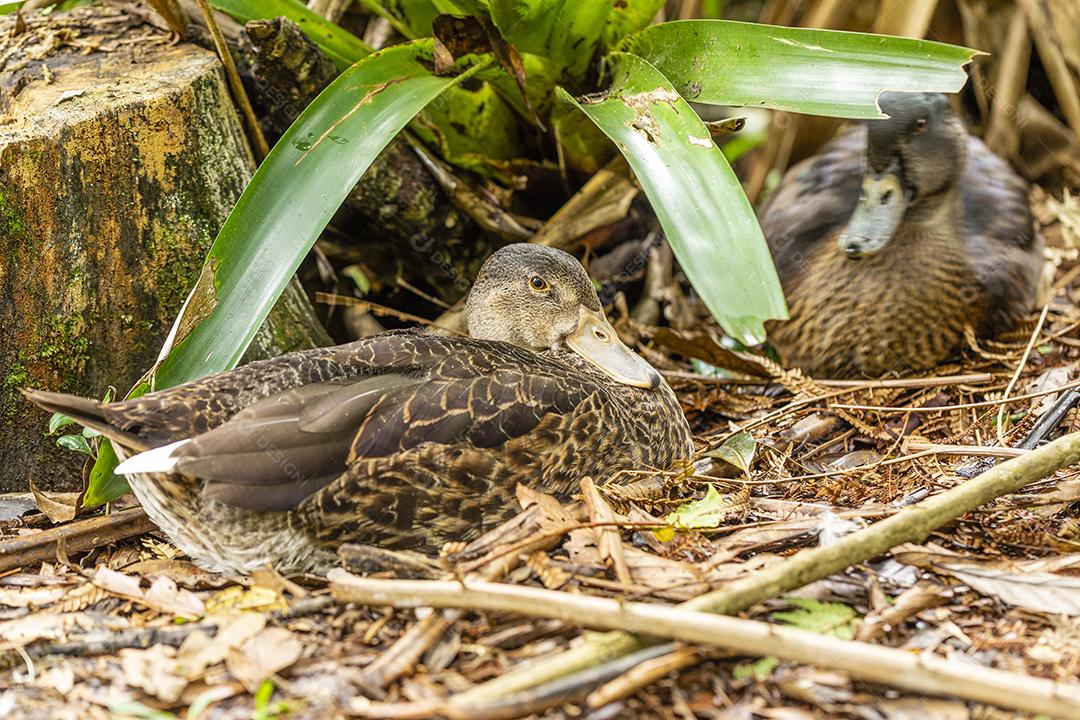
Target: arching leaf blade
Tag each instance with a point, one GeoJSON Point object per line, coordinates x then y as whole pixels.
{"type": "Point", "coordinates": [822, 72]}
{"type": "Point", "coordinates": [706, 216]}
{"type": "Point", "coordinates": [290, 200]}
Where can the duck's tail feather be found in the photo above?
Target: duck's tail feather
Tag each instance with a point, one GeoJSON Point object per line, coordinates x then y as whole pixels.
{"type": "Point", "coordinates": [88, 413]}
{"type": "Point", "coordinates": [157, 460]}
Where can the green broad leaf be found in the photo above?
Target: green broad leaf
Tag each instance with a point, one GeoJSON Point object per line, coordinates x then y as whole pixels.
{"type": "Point", "coordinates": [104, 486]}
{"type": "Point", "coordinates": [566, 32]}
{"type": "Point", "coordinates": [700, 203]}
{"type": "Point", "coordinates": [824, 618]}
{"type": "Point", "coordinates": [291, 198]}
{"type": "Point", "coordinates": [627, 17]}
{"type": "Point", "coordinates": [706, 513]}
{"type": "Point", "coordinates": [77, 443]}
{"type": "Point", "coordinates": [543, 75]}
{"type": "Point", "coordinates": [475, 129]}
{"type": "Point", "coordinates": [413, 18]}
{"type": "Point", "coordinates": [342, 46]}
{"type": "Point", "coordinates": [57, 421]}
{"type": "Point", "coordinates": [737, 450]}
{"type": "Point", "coordinates": [821, 72]}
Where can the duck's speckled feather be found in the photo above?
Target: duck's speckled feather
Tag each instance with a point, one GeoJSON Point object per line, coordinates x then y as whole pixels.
{"type": "Point", "coordinates": [906, 307]}
{"type": "Point", "coordinates": [434, 454]}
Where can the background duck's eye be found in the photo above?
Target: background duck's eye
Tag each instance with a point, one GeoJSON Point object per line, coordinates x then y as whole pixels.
{"type": "Point", "coordinates": [920, 124]}
{"type": "Point", "coordinates": [538, 283]}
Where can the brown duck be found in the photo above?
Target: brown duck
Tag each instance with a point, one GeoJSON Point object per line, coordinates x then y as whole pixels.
{"type": "Point", "coordinates": [893, 239]}
{"type": "Point", "coordinates": [403, 439]}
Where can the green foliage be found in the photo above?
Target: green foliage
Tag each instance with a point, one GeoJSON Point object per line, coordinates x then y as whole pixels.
{"type": "Point", "coordinates": [566, 32]}
{"type": "Point", "coordinates": [291, 199]}
{"type": "Point", "coordinates": [628, 17]}
{"type": "Point", "coordinates": [76, 443]}
{"type": "Point", "coordinates": [473, 128]}
{"type": "Point", "coordinates": [342, 46]}
{"type": "Point", "coordinates": [264, 709]}
{"type": "Point", "coordinates": [823, 618]}
{"type": "Point", "coordinates": [57, 421]}
{"type": "Point", "coordinates": [699, 201]}
{"type": "Point", "coordinates": [737, 450]}
{"type": "Point", "coordinates": [759, 670]}
{"type": "Point", "coordinates": [104, 486]}
{"type": "Point", "coordinates": [705, 513]}
{"type": "Point", "coordinates": [822, 72]}
{"type": "Point", "coordinates": [717, 241]}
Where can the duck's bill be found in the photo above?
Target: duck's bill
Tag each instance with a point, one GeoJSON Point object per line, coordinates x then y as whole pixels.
{"type": "Point", "coordinates": [596, 341]}
{"type": "Point", "coordinates": [878, 213]}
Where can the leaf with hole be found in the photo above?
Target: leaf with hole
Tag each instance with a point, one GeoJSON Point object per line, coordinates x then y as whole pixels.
{"type": "Point", "coordinates": [700, 203]}
{"type": "Point", "coordinates": [824, 72]}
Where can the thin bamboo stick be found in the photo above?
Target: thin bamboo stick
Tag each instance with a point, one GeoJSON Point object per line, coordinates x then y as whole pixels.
{"type": "Point", "coordinates": [921, 673]}
{"type": "Point", "coordinates": [912, 524]}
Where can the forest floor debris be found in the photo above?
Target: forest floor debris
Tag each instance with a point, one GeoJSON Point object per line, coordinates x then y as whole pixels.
{"type": "Point", "coordinates": [126, 627]}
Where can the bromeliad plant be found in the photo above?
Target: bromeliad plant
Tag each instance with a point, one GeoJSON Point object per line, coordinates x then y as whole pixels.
{"type": "Point", "coordinates": [552, 63]}
{"type": "Point", "coordinates": [538, 48]}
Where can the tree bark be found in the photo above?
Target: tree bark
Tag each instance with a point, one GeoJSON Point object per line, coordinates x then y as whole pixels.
{"type": "Point", "coordinates": [117, 168]}
{"type": "Point", "coordinates": [396, 222]}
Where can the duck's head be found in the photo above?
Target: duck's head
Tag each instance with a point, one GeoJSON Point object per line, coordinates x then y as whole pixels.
{"type": "Point", "coordinates": [913, 158]}
{"type": "Point", "coordinates": [540, 298]}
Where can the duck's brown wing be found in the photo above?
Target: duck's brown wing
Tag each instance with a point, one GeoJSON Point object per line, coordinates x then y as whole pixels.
{"type": "Point", "coordinates": [432, 392]}
{"type": "Point", "coordinates": [814, 199]}
{"type": "Point", "coordinates": [194, 408]}
{"type": "Point", "coordinates": [1000, 237]}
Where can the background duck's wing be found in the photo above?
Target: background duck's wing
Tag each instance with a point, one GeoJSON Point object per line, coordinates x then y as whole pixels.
{"type": "Point", "coordinates": [814, 199]}
{"type": "Point", "coordinates": [282, 449]}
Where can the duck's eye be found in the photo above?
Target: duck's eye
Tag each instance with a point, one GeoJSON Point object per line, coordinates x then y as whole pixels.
{"type": "Point", "coordinates": [538, 283]}
{"type": "Point", "coordinates": [600, 335]}
{"type": "Point", "coordinates": [920, 125]}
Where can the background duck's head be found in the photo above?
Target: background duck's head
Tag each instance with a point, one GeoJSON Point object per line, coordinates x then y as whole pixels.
{"type": "Point", "coordinates": [540, 298]}
{"type": "Point", "coordinates": [913, 158]}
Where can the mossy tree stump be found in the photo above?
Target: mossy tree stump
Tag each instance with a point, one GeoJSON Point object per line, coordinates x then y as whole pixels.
{"type": "Point", "coordinates": [117, 168]}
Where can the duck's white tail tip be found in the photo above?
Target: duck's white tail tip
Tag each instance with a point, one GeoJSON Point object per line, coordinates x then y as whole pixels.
{"type": "Point", "coordinates": [158, 460]}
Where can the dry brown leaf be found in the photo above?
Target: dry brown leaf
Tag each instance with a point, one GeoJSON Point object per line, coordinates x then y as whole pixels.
{"type": "Point", "coordinates": [269, 652]}
{"type": "Point", "coordinates": [1030, 584]}
{"type": "Point", "coordinates": [184, 573]}
{"type": "Point", "coordinates": [257, 597]}
{"type": "Point", "coordinates": [608, 538]}
{"type": "Point", "coordinates": [31, 596]}
{"type": "Point", "coordinates": [163, 594]}
{"type": "Point", "coordinates": [1043, 592]}
{"type": "Point", "coordinates": [60, 678]}
{"type": "Point", "coordinates": [914, 599]}
{"type": "Point", "coordinates": [39, 626]}
{"type": "Point", "coordinates": [671, 579]}
{"type": "Point", "coordinates": [154, 671]}
{"type": "Point", "coordinates": [551, 575]}
{"type": "Point", "coordinates": [199, 652]}
{"type": "Point", "coordinates": [553, 510]}
{"type": "Point", "coordinates": [58, 507]}
{"type": "Point", "coordinates": [81, 597]}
